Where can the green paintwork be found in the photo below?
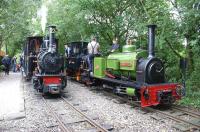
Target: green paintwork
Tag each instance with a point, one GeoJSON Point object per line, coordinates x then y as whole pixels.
{"type": "Point", "coordinates": [113, 64]}
{"type": "Point", "coordinates": [126, 62]}
{"type": "Point", "coordinates": [99, 67]}
{"type": "Point", "coordinates": [130, 91]}
{"type": "Point", "coordinates": [128, 65]}
{"type": "Point", "coordinates": [123, 63]}
{"type": "Point", "coordinates": [124, 73]}
{"type": "Point", "coordinates": [128, 48]}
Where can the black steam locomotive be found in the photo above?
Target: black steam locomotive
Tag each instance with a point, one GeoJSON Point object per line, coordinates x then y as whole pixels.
{"type": "Point", "coordinates": [44, 64]}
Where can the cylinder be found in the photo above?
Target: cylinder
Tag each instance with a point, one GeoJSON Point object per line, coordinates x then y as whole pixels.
{"type": "Point", "coordinates": [151, 40]}
{"type": "Point", "coordinates": [130, 91]}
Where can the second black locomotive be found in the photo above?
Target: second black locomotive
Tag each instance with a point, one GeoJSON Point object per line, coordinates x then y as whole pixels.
{"type": "Point", "coordinates": [44, 64]}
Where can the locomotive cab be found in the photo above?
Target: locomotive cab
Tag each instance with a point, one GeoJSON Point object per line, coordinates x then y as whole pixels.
{"type": "Point", "coordinates": [76, 59]}
{"type": "Point", "coordinates": [31, 49]}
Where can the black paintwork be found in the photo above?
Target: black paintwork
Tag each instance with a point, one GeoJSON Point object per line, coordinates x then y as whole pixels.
{"type": "Point", "coordinates": [30, 55]}
{"type": "Point", "coordinates": [77, 54]}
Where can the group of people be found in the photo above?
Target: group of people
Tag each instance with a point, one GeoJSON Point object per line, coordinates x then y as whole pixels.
{"type": "Point", "coordinates": [8, 62]}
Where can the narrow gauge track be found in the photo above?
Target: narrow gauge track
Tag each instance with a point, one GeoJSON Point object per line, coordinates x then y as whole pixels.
{"type": "Point", "coordinates": [195, 114]}
{"type": "Point", "coordinates": [63, 126]}
{"type": "Point", "coordinates": [88, 119]}
{"type": "Point", "coordinates": [190, 124]}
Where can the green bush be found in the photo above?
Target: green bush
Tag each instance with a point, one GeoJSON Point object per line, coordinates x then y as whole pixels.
{"type": "Point", "coordinates": [1, 68]}
{"type": "Point", "coordinates": [192, 87]}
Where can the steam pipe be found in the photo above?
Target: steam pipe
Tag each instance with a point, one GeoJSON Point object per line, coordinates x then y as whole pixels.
{"type": "Point", "coordinates": [151, 40]}
{"type": "Point", "coordinates": [52, 30]}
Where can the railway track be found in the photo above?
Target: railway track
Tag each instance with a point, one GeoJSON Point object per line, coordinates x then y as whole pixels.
{"type": "Point", "coordinates": [186, 120]}
{"type": "Point", "coordinates": [83, 117]}
{"type": "Point", "coordinates": [187, 110]}
{"type": "Point", "coordinates": [62, 126]}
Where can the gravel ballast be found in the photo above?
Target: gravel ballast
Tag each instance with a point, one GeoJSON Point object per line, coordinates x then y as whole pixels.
{"type": "Point", "coordinates": [122, 117]}
{"type": "Point", "coordinates": [104, 109]}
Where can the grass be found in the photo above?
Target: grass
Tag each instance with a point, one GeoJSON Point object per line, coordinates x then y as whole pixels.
{"type": "Point", "coordinates": [192, 98]}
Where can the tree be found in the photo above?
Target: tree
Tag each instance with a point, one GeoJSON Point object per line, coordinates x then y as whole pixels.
{"type": "Point", "coordinates": [15, 20]}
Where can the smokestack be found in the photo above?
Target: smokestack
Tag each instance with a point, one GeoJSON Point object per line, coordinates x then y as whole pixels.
{"type": "Point", "coordinates": [52, 44]}
{"type": "Point", "coordinates": [151, 40]}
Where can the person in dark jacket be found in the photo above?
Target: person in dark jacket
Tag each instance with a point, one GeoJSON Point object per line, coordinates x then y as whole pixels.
{"type": "Point", "coordinates": [14, 63]}
{"type": "Point", "coordinates": [6, 61]}
{"type": "Point", "coordinates": [115, 45]}
{"type": "Point", "coordinates": [21, 61]}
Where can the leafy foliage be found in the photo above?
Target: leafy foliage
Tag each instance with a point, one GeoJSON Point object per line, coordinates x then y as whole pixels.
{"type": "Point", "coordinates": [15, 22]}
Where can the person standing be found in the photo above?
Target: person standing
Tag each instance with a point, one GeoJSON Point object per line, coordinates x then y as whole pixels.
{"type": "Point", "coordinates": [21, 61]}
{"type": "Point", "coordinates": [115, 45]}
{"type": "Point", "coordinates": [67, 51]}
{"type": "Point", "coordinates": [93, 50]}
{"type": "Point", "coordinates": [129, 42]}
{"type": "Point", "coordinates": [6, 61]}
{"type": "Point", "coordinates": [14, 62]}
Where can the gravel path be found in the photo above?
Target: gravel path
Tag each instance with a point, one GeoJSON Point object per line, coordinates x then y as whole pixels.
{"type": "Point", "coordinates": [36, 120]}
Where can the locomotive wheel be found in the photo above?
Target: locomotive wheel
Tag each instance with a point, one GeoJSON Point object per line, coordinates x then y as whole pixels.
{"type": "Point", "coordinates": [88, 83]}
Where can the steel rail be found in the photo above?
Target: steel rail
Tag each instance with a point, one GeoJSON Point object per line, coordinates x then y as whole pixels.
{"type": "Point", "coordinates": [61, 124]}
{"type": "Point", "coordinates": [173, 117]}
{"type": "Point", "coordinates": [195, 114]}
{"type": "Point", "coordinates": [92, 122]}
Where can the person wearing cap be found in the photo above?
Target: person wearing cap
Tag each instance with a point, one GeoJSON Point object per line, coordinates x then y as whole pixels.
{"type": "Point", "coordinates": [93, 49]}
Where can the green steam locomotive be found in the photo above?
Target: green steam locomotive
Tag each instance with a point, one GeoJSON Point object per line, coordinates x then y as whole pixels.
{"type": "Point", "coordinates": [134, 72]}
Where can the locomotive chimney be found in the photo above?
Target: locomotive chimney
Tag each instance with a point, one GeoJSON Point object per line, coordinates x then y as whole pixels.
{"type": "Point", "coordinates": [52, 45]}
{"type": "Point", "coordinates": [151, 40]}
